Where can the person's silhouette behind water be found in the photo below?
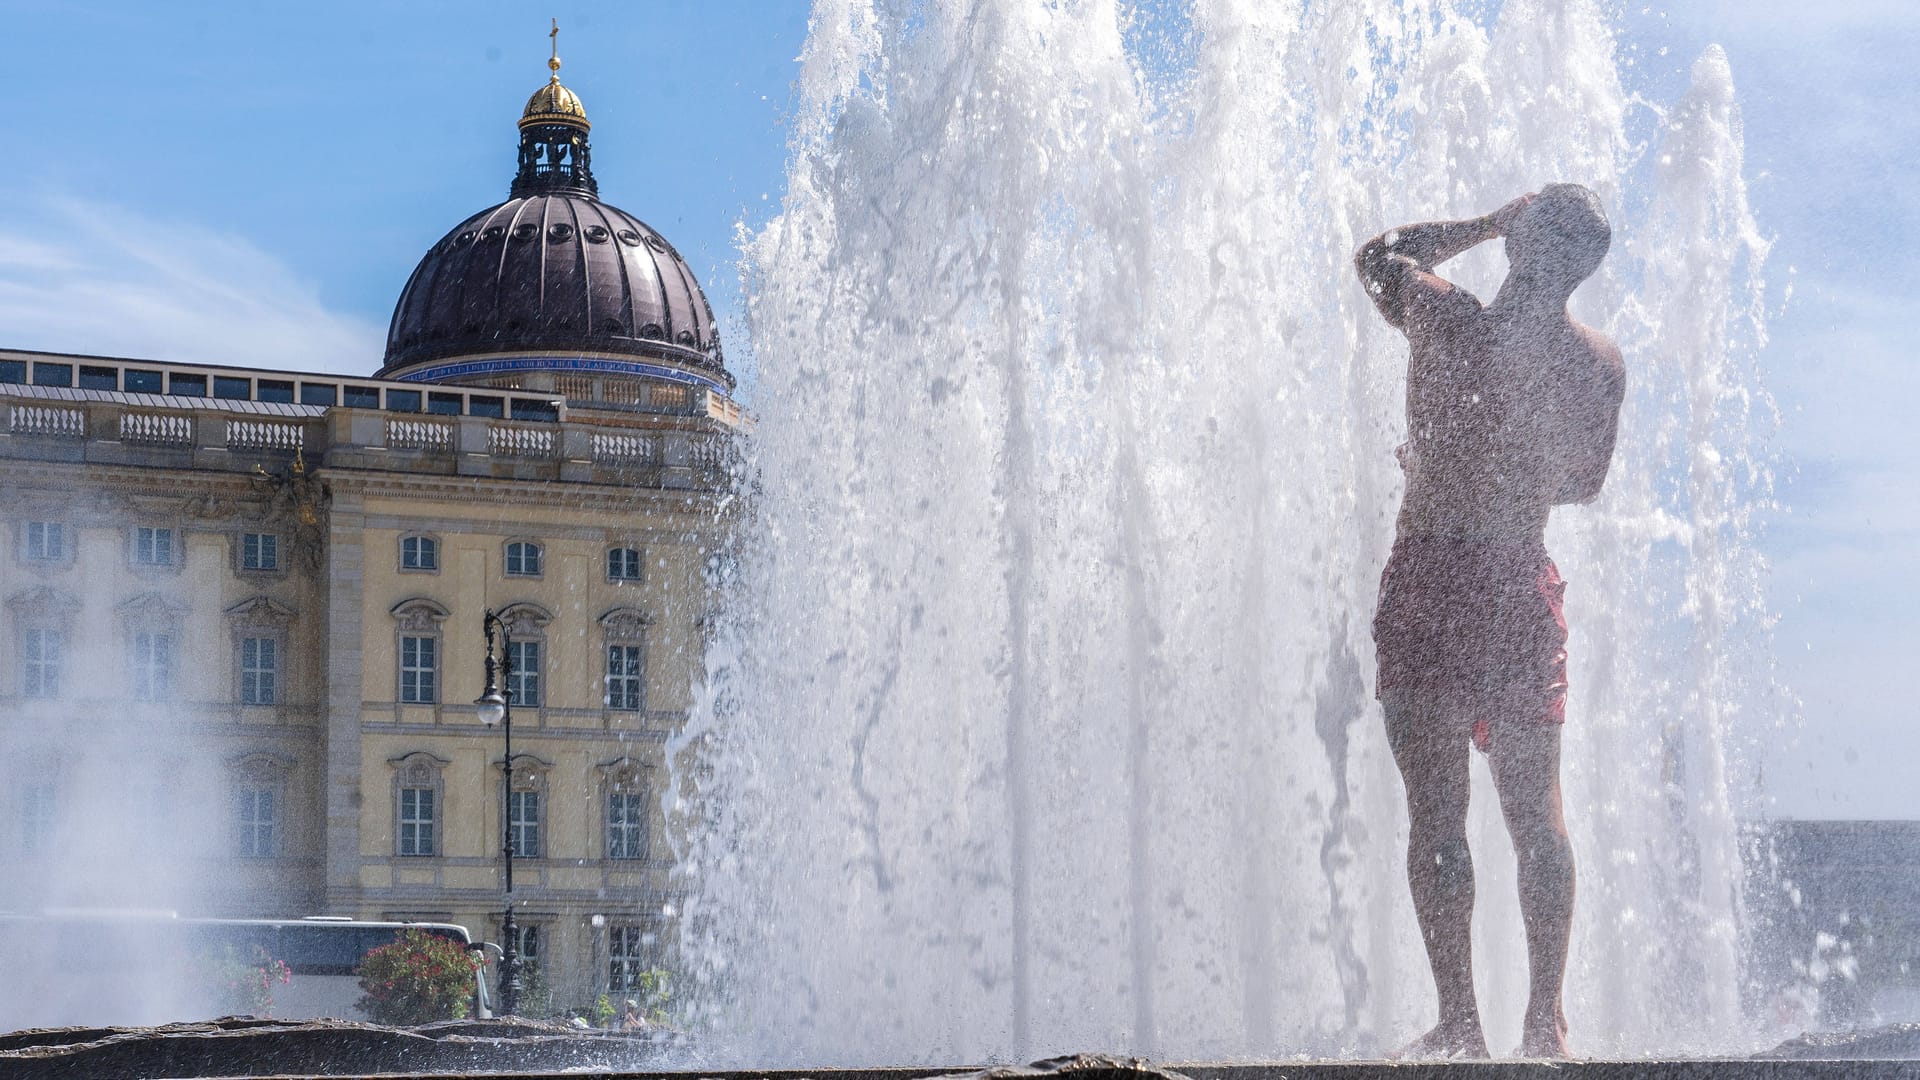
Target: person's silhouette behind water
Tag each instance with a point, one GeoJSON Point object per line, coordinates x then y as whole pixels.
{"type": "Point", "coordinates": [1511, 408]}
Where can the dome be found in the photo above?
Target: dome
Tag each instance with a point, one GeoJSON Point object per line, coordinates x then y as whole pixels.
{"type": "Point", "coordinates": [562, 274]}
{"type": "Point", "coordinates": [553, 103]}
{"type": "Point", "coordinates": [553, 279]}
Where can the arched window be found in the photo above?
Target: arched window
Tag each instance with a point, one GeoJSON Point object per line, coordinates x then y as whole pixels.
{"type": "Point", "coordinates": [526, 626]}
{"type": "Point", "coordinates": [43, 626]}
{"type": "Point", "coordinates": [418, 803]}
{"type": "Point", "coordinates": [525, 806]}
{"type": "Point", "coordinates": [623, 564]}
{"type": "Point", "coordinates": [417, 650]}
{"type": "Point", "coordinates": [625, 800]}
{"type": "Point", "coordinates": [259, 805]}
{"type": "Point", "coordinates": [260, 652]}
{"type": "Point", "coordinates": [523, 558]}
{"type": "Point", "coordinates": [419, 555]}
{"type": "Point", "coordinates": [624, 630]}
{"type": "Point", "coordinates": [153, 636]}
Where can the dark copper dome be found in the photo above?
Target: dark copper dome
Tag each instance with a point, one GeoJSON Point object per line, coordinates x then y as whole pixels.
{"type": "Point", "coordinates": [553, 278]}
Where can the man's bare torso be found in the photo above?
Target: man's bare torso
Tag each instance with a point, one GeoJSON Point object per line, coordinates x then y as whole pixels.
{"type": "Point", "coordinates": [1501, 412]}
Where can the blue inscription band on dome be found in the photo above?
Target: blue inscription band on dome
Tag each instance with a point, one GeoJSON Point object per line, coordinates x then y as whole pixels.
{"type": "Point", "coordinates": [465, 368]}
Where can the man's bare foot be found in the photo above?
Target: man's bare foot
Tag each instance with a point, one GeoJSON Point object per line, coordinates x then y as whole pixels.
{"type": "Point", "coordinates": [1545, 1039]}
{"type": "Point", "coordinates": [1446, 1041]}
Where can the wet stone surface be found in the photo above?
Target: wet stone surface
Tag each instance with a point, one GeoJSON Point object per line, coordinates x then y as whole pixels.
{"type": "Point", "coordinates": [244, 1047]}
{"type": "Point", "coordinates": [241, 1046]}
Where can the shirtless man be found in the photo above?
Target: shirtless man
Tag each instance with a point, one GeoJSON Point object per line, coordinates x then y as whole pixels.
{"type": "Point", "coordinates": [1511, 409]}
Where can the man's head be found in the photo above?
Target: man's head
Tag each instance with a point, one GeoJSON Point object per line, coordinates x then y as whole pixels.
{"type": "Point", "coordinates": [1561, 236]}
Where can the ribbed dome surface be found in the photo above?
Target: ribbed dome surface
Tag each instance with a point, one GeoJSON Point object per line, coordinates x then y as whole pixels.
{"type": "Point", "coordinates": [559, 273]}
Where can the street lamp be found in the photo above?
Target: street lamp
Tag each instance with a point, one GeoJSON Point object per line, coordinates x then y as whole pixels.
{"type": "Point", "coordinates": [495, 706]}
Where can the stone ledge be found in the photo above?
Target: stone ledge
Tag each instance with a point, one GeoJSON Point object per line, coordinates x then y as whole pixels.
{"type": "Point", "coordinates": [246, 1047]}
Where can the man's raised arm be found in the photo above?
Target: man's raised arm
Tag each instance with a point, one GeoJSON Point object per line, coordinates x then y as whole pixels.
{"type": "Point", "coordinates": [1397, 266]}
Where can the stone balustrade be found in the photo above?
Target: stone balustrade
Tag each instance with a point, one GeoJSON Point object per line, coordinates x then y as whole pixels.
{"type": "Point", "coordinates": [44, 427]}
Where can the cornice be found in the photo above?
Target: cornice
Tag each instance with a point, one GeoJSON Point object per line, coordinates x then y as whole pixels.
{"type": "Point", "coordinates": [566, 494]}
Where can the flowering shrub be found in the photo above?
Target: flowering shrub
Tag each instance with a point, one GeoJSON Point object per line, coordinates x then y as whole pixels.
{"type": "Point", "coordinates": [416, 980]}
{"type": "Point", "coordinates": [243, 982]}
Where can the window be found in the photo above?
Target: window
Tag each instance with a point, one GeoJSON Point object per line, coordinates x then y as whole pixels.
{"type": "Point", "coordinates": [416, 647]}
{"type": "Point", "coordinates": [36, 815]}
{"type": "Point", "coordinates": [526, 943]}
{"type": "Point", "coordinates": [259, 551]}
{"type": "Point", "coordinates": [523, 559]}
{"type": "Point", "coordinates": [523, 677]}
{"type": "Point", "coordinates": [46, 540]}
{"type": "Point", "coordinates": [418, 790]}
{"type": "Point", "coordinates": [152, 546]}
{"type": "Point", "coordinates": [623, 677]}
{"type": "Point", "coordinates": [629, 955]}
{"type": "Point", "coordinates": [419, 671]}
{"type": "Point", "coordinates": [623, 564]}
{"type": "Point", "coordinates": [419, 553]}
{"type": "Point", "coordinates": [259, 671]}
{"type": "Point", "coordinates": [626, 825]}
{"type": "Point", "coordinates": [152, 664]}
{"type": "Point", "coordinates": [523, 823]}
{"type": "Point", "coordinates": [416, 821]}
{"type": "Point", "coordinates": [260, 626]}
{"type": "Point", "coordinates": [137, 381]}
{"type": "Point", "coordinates": [41, 649]}
{"type": "Point", "coordinates": [254, 820]}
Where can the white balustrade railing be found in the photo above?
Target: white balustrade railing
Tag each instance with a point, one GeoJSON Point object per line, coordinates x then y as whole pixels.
{"type": "Point", "coordinates": [60, 423]}
{"type": "Point", "coordinates": [519, 442]}
{"type": "Point", "coordinates": [709, 453]}
{"type": "Point", "coordinates": [419, 435]}
{"type": "Point", "coordinates": [264, 435]}
{"type": "Point", "coordinates": [626, 449]}
{"type": "Point", "coordinates": [156, 429]}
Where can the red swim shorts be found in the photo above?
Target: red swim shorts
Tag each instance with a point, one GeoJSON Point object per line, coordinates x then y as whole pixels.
{"type": "Point", "coordinates": [1476, 624]}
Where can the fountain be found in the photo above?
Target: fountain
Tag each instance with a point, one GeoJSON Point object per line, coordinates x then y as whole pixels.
{"type": "Point", "coordinates": [1041, 719]}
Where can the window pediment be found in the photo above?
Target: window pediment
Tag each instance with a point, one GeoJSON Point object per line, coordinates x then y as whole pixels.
{"type": "Point", "coordinates": [43, 602]}
{"type": "Point", "coordinates": [261, 611]}
{"type": "Point", "coordinates": [419, 614]}
{"type": "Point", "coordinates": [152, 610]}
{"type": "Point", "coordinates": [421, 768]}
{"type": "Point", "coordinates": [625, 623]}
{"type": "Point", "coordinates": [525, 620]}
{"type": "Point", "coordinates": [260, 766]}
{"type": "Point", "coordinates": [529, 771]}
{"type": "Point", "coordinates": [624, 773]}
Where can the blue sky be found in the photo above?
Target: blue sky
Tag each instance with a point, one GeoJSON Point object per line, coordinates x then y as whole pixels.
{"type": "Point", "coordinates": [252, 183]}
{"type": "Point", "coordinates": [312, 153]}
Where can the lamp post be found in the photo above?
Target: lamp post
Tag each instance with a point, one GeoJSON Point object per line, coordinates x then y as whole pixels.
{"type": "Point", "coordinates": [495, 706]}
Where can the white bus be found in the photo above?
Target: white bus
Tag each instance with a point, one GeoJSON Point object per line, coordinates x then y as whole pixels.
{"type": "Point", "coordinates": [85, 968]}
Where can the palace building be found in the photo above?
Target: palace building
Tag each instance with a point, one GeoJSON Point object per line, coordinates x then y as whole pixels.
{"type": "Point", "coordinates": [243, 613]}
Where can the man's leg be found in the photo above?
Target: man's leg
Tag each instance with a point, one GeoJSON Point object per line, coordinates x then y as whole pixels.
{"type": "Point", "coordinates": [1526, 770]}
{"type": "Point", "coordinates": [1431, 750]}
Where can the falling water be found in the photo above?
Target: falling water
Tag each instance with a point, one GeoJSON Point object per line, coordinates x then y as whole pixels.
{"type": "Point", "coordinates": [1041, 718]}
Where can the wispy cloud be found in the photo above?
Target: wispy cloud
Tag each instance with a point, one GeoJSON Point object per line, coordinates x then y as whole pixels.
{"type": "Point", "coordinates": [89, 278]}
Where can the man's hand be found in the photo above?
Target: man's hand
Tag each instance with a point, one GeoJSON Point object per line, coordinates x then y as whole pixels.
{"type": "Point", "coordinates": [1504, 217]}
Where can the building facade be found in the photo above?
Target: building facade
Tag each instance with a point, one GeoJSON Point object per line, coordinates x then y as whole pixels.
{"type": "Point", "coordinates": [243, 627]}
